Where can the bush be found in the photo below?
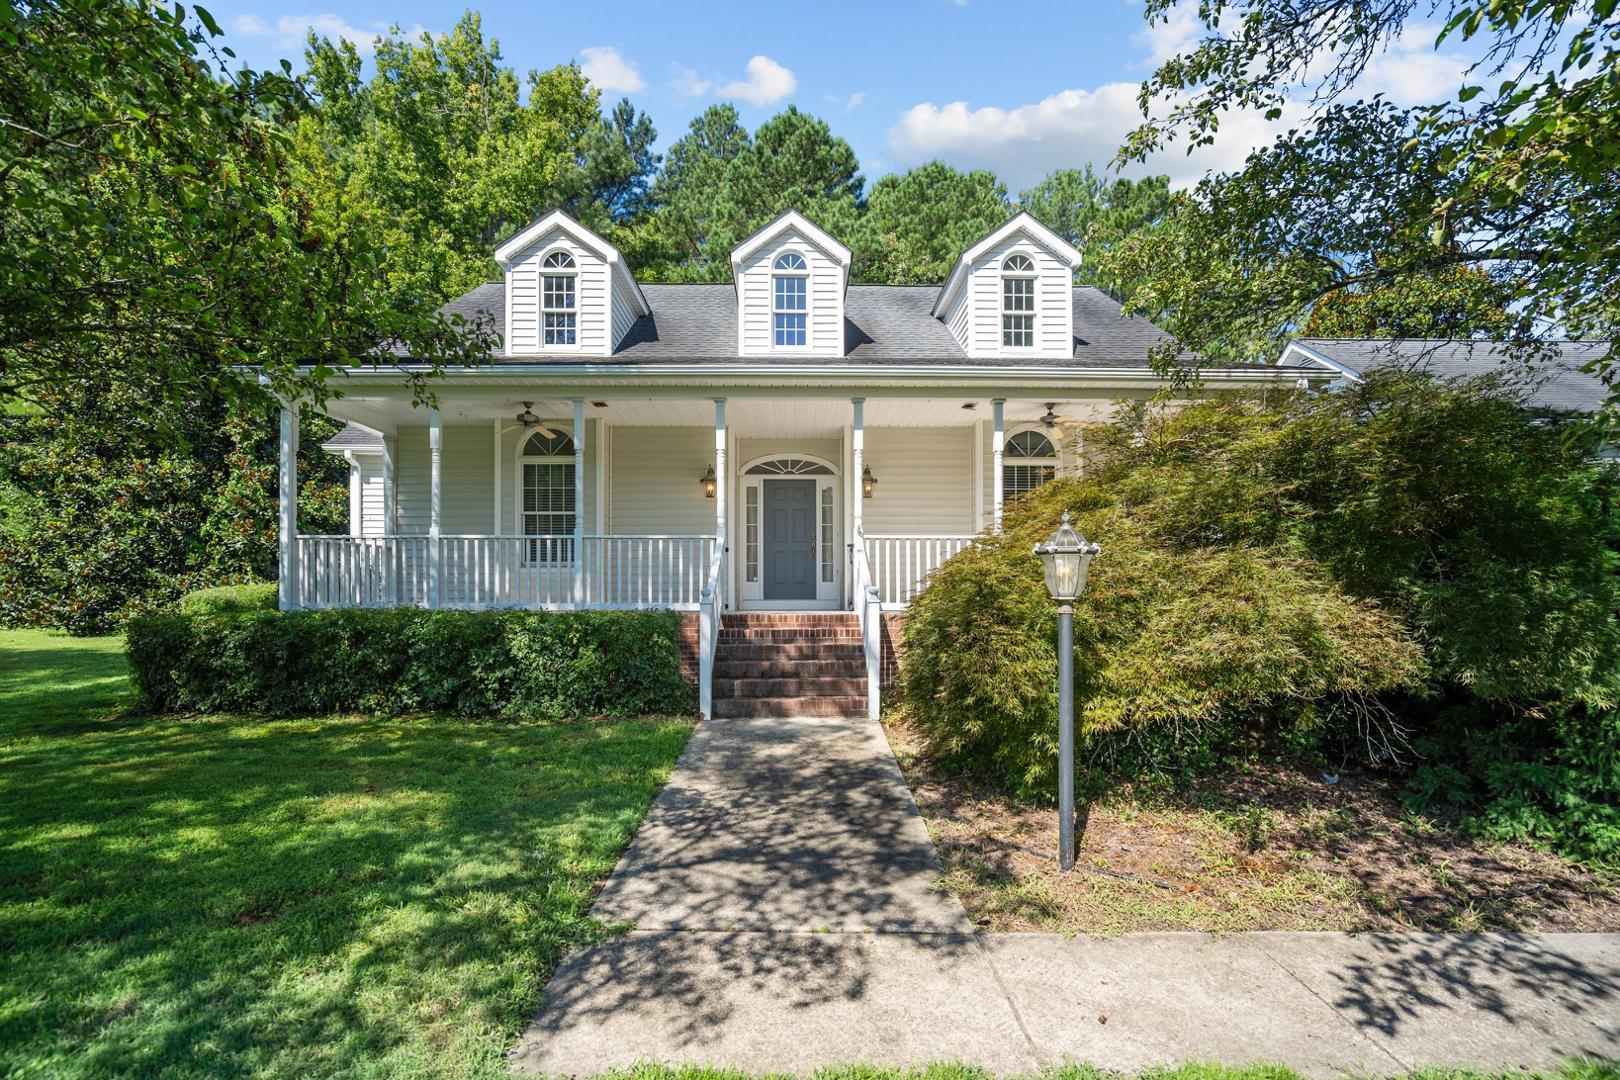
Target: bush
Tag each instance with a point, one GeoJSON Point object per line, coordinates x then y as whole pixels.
{"type": "Point", "coordinates": [230, 599]}
{"type": "Point", "coordinates": [1408, 562]}
{"type": "Point", "coordinates": [510, 664]}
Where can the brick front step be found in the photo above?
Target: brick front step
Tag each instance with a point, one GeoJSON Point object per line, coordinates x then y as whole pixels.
{"type": "Point", "coordinates": [826, 650]}
{"type": "Point", "coordinates": [789, 707]}
{"type": "Point", "coordinates": [788, 669]}
{"type": "Point", "coordinates": [768, 634]}
{"type": "Point", "coordinates": [849, 686]}
{"type": "Point", "coordinates": [788, 618]}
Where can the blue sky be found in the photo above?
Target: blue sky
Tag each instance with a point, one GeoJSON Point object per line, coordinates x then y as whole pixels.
{"type": "Point", "coordinates": [1018, 86]}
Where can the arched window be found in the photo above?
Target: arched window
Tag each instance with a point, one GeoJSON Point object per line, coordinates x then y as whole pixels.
{"type": "Point", "coordinates": [546, 488]}
{"type": "Point", "coordinates": [558, 304]}
{"type": "Point", "coordinates": [790, 298]}
{"type": "Point", "coordinates": [1018, 302]}
{"type": "Point", "coordinates": [1027, 461]}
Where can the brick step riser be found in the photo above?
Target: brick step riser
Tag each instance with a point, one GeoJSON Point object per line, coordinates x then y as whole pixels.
{"type": "Point", "coordinates": [757, 619]}
{"type": "Point", "coordinates": [788, 708]}
{"type": "Point", "coordinates": [789, 669]}
{"type": "Point", "coordinates": [789, 688]}
{"type": "Point", "coordinates": [824, 651]}
{"type": "Point", "coordinates": [788, 637]}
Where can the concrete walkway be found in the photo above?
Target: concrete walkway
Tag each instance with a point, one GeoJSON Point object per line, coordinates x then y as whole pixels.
{"type": "Point", "coordinates": [781, 891]}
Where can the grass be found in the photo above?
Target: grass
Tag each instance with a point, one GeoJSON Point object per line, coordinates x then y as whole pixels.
{"type": "Point", "coordinates": [229, 895]}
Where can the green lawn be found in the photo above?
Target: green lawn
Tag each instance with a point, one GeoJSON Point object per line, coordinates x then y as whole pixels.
{"type": "Point", "coordinates": [235, 896]}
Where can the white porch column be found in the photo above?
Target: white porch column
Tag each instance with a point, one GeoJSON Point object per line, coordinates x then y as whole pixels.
{"type": "Point", "coordinates": [579, 502]}
{"type": "Point", "coordinates": [496, 530]}
{"type": "Point", "coordinates": [388, 485]}
{"type": "Point", "coordinates": [998, 442]}
{"type": "Point", "coordinates": [435, 522]}
{"type": "Point", "coordinates": [719, 466]}
{"type": "Point", "coordinates": [857, 466]}
{"type": "Point", "coordinates": [287, 565]}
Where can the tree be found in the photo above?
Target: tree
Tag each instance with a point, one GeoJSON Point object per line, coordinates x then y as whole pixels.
{"type": "Point", "coordinates": [719, 185]}
{"type": "Point", "coordinates": [917, 223]}
{"type": "Point", "coordinates": [1457, 303]}
{"type": "Point", "coordinates": [1517, 176]}
{"type": "Point", "coordinates": [617, 164]}
{"type": "Point", "coordinates": [1094, 214]}
{"type": "Point", "coordinates": [154, 230]}
{"type": "Point", "coordinates": [439, 158]}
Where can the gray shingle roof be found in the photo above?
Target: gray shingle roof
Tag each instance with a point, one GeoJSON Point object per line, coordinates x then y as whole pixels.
{"type": "Point", "coordinates": [354, 438]}
{"type": "Point", "coordinates": [1551, 379]}
{"type": "Point", "coordinates": [884, 324]}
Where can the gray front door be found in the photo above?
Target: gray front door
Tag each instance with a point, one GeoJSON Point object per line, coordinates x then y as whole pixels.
{"type": "Point", "coordinates": [790, 539]}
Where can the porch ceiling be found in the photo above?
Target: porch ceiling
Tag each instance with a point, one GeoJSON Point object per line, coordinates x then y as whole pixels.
{"type": "Point", "coordinates": [748, 416]}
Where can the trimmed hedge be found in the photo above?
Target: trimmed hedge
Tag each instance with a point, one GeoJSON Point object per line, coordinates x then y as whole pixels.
{"type": "Point", "coordinates": [507, 664]}
{"type": "Point", "coordinates": [230, 599]}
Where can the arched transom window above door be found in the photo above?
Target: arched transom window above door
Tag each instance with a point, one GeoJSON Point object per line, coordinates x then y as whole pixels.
{"type": "Point", "coordinates": [789, 466]}
{"type": "Point", "coordinates": [1027, 461]}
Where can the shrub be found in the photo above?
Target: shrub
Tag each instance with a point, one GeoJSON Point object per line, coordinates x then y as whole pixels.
{"type": "Point", "coordinates": [1177, 645]}
{"type": "Point", "coordinates": [230, 599]}
{"type": "Point", "coordinates": [510, 664]}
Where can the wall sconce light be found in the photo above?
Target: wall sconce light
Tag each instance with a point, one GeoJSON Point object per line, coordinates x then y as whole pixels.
{"type": "Point", "coordinates": [868, 482]}
{"type": "Point", "coordinates": [707, 482]}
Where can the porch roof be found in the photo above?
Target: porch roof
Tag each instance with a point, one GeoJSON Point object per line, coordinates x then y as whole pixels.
{"type": "Point", "coordinates": [884, 324]}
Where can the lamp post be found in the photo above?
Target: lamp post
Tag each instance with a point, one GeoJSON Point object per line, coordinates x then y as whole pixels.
{"type": "Point", "coordinates": [1066, 558]}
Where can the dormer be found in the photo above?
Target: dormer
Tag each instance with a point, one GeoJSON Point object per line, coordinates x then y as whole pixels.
{"type": "Point", "coordinates": [568, 291]}
{"type": "Point", "coordinates": [1012, 294]}
{"type": "Point", "coordinates": [790, 279]}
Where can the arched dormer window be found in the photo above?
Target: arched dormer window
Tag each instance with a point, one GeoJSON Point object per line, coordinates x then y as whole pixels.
{"type": "Point", "coordinates": [1018, 302]}
{"type": "Point", "coordinates": [790, 299]}
{"type": "Point", "coordinates": [1027, 461]}
{"type": "Point", "coordinates": [546, 488]}
{"type": "Point", "coordinates": [558, 300]}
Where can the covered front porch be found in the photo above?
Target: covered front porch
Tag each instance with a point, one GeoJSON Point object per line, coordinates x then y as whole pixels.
{"type": "Point", "coordinates": [495, 499]}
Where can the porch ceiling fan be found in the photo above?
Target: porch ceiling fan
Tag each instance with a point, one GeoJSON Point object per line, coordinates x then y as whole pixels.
{"type": "Point", "coordinates": [1055, 423]}
{"type": "Point", "coordinates": [528, 419]}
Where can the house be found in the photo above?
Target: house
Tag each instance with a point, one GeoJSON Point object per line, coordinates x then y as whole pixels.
{"type": "Point", "coordinates": [1554, 381]}
{"type": "Point", "coordinates": [787, 456]}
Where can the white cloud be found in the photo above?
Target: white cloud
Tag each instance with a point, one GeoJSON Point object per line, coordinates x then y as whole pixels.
{"type": "Point", "coordinates": [289, 31]}
{"type": "Point", "coordinates": [768, 82]}
{"type": "Point", "coordinates": [688, 83]}
{"type": "Point", "coordinates": [855, 100]}
{"type": "Point", "coordinates": [1411, 72]}
{"type": "Point", "coordinates": [610, 72]}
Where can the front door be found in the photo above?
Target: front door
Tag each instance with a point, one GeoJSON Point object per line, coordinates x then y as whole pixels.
{"type": "Point", "coordinates": [790, 539]}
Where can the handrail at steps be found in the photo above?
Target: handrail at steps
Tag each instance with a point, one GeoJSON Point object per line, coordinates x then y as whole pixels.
{"type": "Point", "coordinates": [869, 611]}
{"type": "Point", "coordinates": [711, 605]}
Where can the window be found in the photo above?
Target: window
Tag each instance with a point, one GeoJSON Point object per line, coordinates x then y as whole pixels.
{"type": "Point", "coordinates": [1018, 302]}
{"type": "Point", "coordinates": [557, 302]}
{"type": "Point", "coordinates": [751, 533]}
{"type": "Point", "coordinates": [827, 552]}
{"type": "Point", "coordinates": [790, 299]}
{"type": "Point", "coordinates": [1027, 461]}
{"type": "Point", "coordinates": [547, 491]}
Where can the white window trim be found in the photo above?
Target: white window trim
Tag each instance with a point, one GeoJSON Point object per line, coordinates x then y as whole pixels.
{"type": "Point", "coordinates": [1032, 275]}
{"type": "Point", "coordinates": [519, 460]}
{"type": "Point", "coordinates": [1059, 458]}
{"type": "Point", "coordinates": [804, 275]}
{"type": "Point", "coordinates": [543, 271]}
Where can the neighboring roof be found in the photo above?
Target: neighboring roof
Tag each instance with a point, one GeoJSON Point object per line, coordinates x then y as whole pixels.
{"type": "Point", "coordinates": [883, 324]}
{"type": "Point", "coordinates": [1023, 222]}
{"type": "Point", "coordinates": [1551, 376]}
{"type": "Point", "coordinates": [556, 219]}
{"type": "Point", "coordinates": [356, 439]}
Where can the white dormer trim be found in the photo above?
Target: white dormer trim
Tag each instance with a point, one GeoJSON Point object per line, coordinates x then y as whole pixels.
{"type": "Point", "coordinates": [1303, 355]}
{"type": "Point", "coordinates": [793, 221]}
{"type": "Point", "coordinates": [1020, 222]}
{"type": "Point", "coordinates": [618, 270]}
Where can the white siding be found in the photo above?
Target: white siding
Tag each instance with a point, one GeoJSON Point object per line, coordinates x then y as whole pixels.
{"type": "Point", "coordinates": [370, 470]}
{"type": "Point", "coordinates": [959, 320]}
{"type": "Point", "coordinates": [653, 482]}
{"type": "Point", "coordinates": [591, 296]}
{"type": "Point", "coordinates": [466, 491]}
{"type": "Point", "coordinates": [924, 481]}
{"type": "Point", "coordinates": [1054, 313]}
{"type": "Point", "coordinates": [624, 313]}
{"type": "Point", "coordinates": [825, 325]}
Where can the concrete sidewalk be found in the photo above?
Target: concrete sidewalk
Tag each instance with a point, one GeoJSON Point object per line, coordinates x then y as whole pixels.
{"type": "Point", "coordinates": [782, 894]}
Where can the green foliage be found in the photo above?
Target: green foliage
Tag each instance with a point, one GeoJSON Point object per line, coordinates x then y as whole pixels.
{"type": "Point", "coordinates": [917, 223]}
{"type": "Point", "coordinates": [1095, 214]}
{"type": "Point", "coordinates": [1459, 302]}
{"type": "Point", "coordinates": [1407, 563]}
{"type": "Point", "coordinates": [511, 664]}
{"type": "Point", "coordinates": [114, 505]}
{"type": "Point", "coordinates": [229, 599]}
{"type": "Point", "coordinates": [1516, 179]}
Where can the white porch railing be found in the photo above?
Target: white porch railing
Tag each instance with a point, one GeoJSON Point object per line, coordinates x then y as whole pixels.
{"type": "Point", "coordinates": [502, 571]}
{"type": "Point", "coordinates": [711, 606]}
{"type": "Point", "coordinates": [902, 565]}
{"type": "Point", "coordinates": [869, 612]}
